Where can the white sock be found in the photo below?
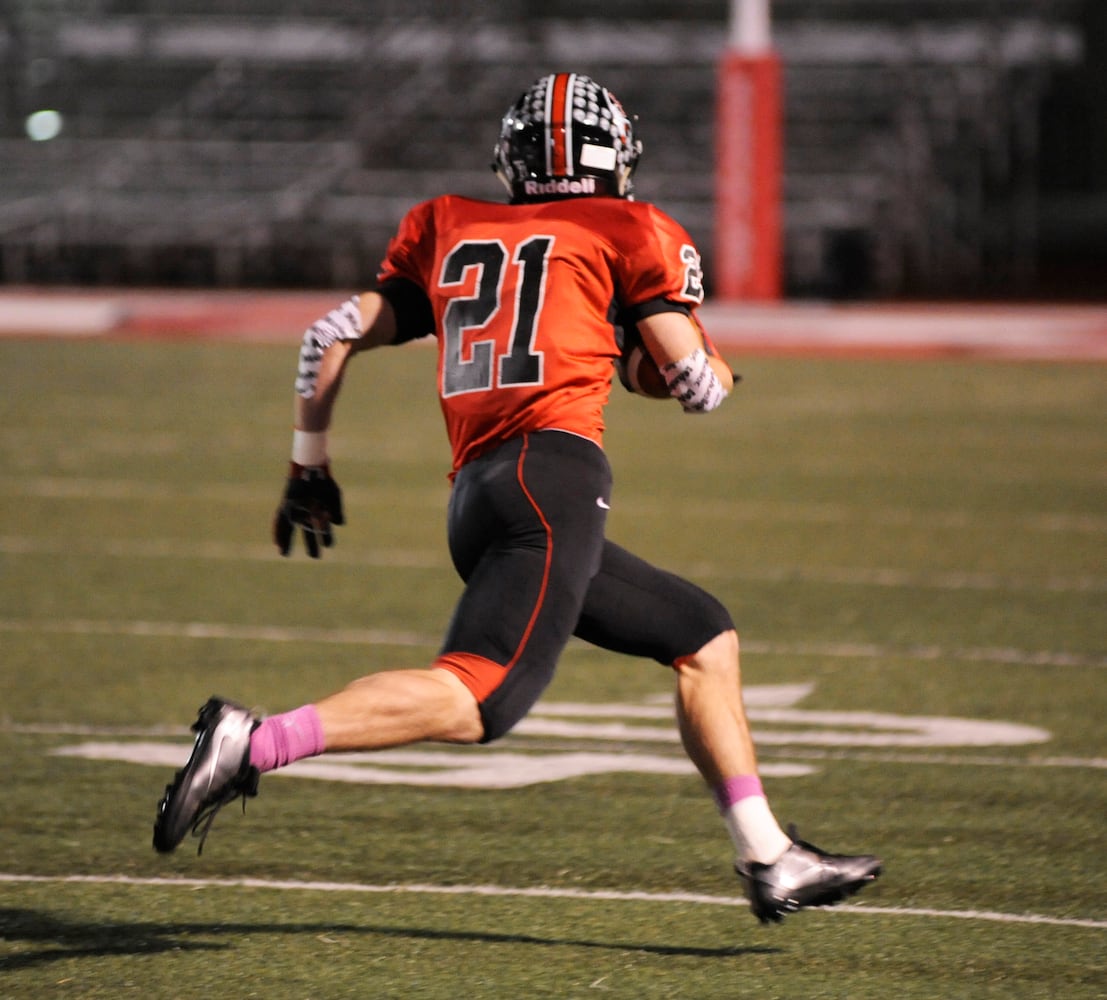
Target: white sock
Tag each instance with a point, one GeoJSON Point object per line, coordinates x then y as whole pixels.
{"type": "Point", "coordinates": [753, 829]}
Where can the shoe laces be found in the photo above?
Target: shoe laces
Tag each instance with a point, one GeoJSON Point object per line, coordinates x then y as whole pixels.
{"type": "Point", "coordinates": [245, 788]}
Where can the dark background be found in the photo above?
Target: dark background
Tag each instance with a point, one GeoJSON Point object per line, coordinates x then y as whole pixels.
{"type": "Point", "coordinates": [933, 149]}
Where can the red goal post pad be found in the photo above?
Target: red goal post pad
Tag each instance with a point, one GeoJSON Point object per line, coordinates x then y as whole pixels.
{"type": "Point", "coordinates": [748, 177]}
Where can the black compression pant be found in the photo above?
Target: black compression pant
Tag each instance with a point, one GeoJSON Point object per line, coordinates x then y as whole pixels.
{"type": "Point", "coordinates": [526, 533]}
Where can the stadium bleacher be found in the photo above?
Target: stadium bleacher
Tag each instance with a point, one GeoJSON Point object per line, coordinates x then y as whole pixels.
{"type": "Point", "coordinates": [277, 142]}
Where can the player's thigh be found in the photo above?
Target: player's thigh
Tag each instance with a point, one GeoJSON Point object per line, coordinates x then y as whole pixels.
{"type": "Point", "coordinates": [536, 489]}
{"type": "Point", "coordinates": [535, 511]}
{"type": "Point", "coordinates": [637, 608]}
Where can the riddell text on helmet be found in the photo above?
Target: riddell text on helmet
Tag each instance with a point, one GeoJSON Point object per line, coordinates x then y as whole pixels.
{"type": "Point", "coordinates": [586, 185]}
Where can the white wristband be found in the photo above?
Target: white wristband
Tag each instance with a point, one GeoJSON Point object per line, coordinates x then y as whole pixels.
{"type": "Point", "coordinates": [693, 382]}
{"type": "Point", "coordinates": [309, 448]}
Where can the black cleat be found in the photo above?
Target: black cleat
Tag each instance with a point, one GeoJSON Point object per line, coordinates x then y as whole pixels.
{"type": "Point", "coordinates": [217, 772]}
{"type": "Point", "coordinates": [805, 876]}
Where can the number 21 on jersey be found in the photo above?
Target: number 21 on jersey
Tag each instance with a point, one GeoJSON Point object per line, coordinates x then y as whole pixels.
{"type": "Point", "coordinates": [479, 369]}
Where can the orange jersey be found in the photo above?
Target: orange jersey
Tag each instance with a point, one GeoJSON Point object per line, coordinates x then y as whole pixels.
{"type": "Point", "coordinates": [523, 298]}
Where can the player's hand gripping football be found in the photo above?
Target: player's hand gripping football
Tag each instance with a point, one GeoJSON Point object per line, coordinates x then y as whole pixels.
{"type": "Point", "coordinates": [312, 502]}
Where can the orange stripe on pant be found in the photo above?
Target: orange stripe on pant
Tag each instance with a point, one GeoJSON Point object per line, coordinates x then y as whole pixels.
{"type": "Point", "coordinates": [480, 675]}
{"type": "Point", "coordinates": [538, 604]}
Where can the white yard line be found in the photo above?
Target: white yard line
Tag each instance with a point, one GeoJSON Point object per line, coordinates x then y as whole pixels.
{"type": "Point", "coordinates": [223, 551]}
{"type": "Point", "coordinates": [529, 744]}
{"type": "Point", "coordinates": [215, 630]}
{"type": "Point", "coordinates": [84, 488]}
{"type": "Point", "coordinates": [537, 892]}
{"type": "Point", "coordinates": [887, 577]}
{"type": "Point", "coordinates": [385, 637]}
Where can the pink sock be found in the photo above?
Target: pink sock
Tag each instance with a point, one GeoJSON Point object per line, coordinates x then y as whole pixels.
{"type": "Point", "coordinates": [282, 739]}
{"type": "Point", "coordinates": [733, 790]}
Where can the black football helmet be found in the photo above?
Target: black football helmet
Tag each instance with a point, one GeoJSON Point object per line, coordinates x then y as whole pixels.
{"type": "Point", "coordinates": [566, 137]}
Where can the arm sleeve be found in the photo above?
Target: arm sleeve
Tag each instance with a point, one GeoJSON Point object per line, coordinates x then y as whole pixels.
{"type": "Point", "coordinates": [414, 316]}
{"type": "Point", "coordinates": [402, 276]}
{"type": "Point", "coordinates": [628, 318]}
{"type": "Point", "coordinates": [654, 306]}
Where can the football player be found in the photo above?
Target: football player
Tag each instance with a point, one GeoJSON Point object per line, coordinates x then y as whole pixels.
{"type": "Point", "coordinates": [525, 300]}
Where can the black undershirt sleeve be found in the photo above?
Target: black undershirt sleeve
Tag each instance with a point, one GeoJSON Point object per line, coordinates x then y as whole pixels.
{"type": "Point", "coordinates": [652, 307]}
{"type": "Point", "coordinates": [625, 318]}
{"type": "Point", "coordinates": [414, 316]}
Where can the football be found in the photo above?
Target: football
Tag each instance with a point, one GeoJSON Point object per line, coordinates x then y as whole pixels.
{"type": "Point", "coordinates": [637, 370]}
{"type": "Point", "coordinates": [641, 374]}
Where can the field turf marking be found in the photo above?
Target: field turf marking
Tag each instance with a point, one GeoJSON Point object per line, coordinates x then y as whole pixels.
{"type": "Point", "coordinates": [129, 548]}
{"type": "Point", "coordinates": [619, 723]}
{"type": "Point", "coordinates": [538, 892]}
{"type": "Point", "coordinates": [889, 577]}
{"type": "Point", "coordinates": [386, 637]}
{"type": "Point", "coordinates": [774, 753]}
{"type": "Point", "coordinates": [85, 488]}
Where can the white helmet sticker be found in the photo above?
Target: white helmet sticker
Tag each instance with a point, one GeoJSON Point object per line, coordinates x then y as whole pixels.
{"type": "Point", "coordinates": [597, 157]}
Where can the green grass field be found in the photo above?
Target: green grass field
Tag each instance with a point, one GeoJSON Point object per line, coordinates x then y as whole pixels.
{"type": "Point", "coordinates": [902, 545]}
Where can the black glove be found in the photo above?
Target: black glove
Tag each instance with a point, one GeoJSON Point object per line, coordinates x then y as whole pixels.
{"type": "Point", "coordinates": [312, 501]}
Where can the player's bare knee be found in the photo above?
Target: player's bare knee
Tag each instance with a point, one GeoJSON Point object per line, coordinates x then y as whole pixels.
{"type": "Point", "coordinates": [460, 718]}
{"type": "Point", "coordinates": [463, 726]}
{"type": "Point", "coordinates": [716, 660]}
